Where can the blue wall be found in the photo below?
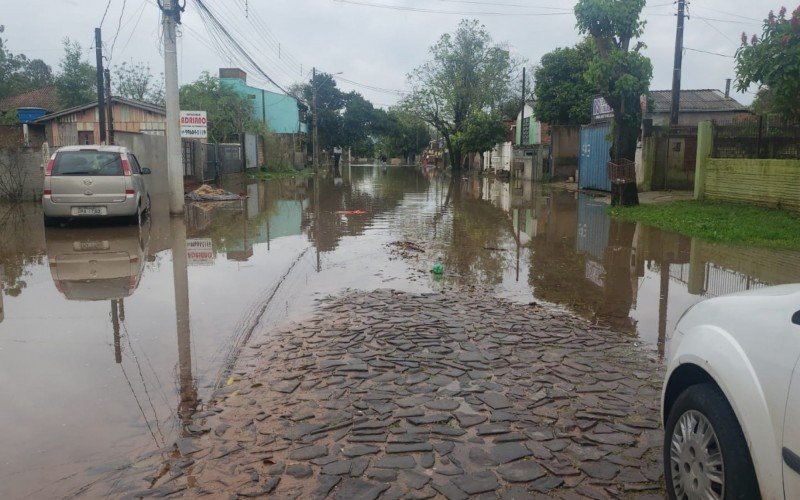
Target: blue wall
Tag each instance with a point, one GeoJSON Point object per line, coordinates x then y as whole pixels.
{"type": "Point", "coordinates": [278, 110]}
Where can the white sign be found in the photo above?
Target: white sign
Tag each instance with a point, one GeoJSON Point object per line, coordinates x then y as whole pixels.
{"type": "Point", "coordinates": [200, 251]}
{"type": "Point", "coordinates": [601, 110]}
{"type": "Point", "coordinates": [194, 125]}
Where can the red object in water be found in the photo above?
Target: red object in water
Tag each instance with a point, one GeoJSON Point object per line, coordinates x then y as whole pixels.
{"type": "Point", "coordinates": [351, 212]}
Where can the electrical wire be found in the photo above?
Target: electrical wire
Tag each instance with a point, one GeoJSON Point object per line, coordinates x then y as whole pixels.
{"type": "Point", "coordinates": [708, 52]}
{"type": "Point", "coordinates": [461, 13]}
{"type": "Point", "coordinates": [119, 26]}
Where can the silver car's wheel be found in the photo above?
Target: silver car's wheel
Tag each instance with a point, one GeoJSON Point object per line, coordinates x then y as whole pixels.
{"type": "Point", "coordinates": [698, 470]}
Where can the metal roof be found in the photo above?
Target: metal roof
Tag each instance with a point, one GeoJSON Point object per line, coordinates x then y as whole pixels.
{"type": "Point", "coordinates": [695, 101]}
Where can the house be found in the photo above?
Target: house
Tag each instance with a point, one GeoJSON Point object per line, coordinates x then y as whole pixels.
{"type": "Point", "coordinates": [531, 146]}
{"type": "Point", "coordinates": [80, 124]}
{"type": "Point", "coordinates": [25, 108]}
{"type": "Point", "coordinates": [695, 106]}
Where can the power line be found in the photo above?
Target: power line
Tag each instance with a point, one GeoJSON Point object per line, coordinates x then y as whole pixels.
{"type": "Point", "coordinates": [104, 13]}
{"type": "Point", "coordinates": [708, 52]}
{"type": "Point", "coordinates": [214, 21]}
{"type": "Point", "coordinates": [460, 13]}
{"type": "Point", "coordinates": [119, 26]}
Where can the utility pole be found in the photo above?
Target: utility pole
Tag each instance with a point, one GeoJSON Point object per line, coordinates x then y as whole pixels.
{"type": "Point", "coordinates": [522, 120]}
{"type": "Point", "coordinates": [676, 72]}
{"type": "Point", "coordinates": [315, 150]}
{"type": "Point", "coordinates": [98, 50]}
{"type": "Point", "coordinates": [170, 13]}
{"type": "Point", "coordinates": [109, 106]}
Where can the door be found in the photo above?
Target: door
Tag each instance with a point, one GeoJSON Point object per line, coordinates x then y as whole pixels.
{"type": "Point", "coordinates": [593, 162]}
{"type": "Point", "coordinates": [791, 439]}
{"type": "Point", "coordinates": [85, 137]}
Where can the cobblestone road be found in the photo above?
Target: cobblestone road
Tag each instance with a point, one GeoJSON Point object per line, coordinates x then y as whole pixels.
{"type": "Point", "coordinates": [394, 395]}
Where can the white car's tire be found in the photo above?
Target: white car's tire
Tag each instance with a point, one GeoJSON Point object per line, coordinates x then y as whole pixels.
{"type": "Point", "coordinates": [705, 452]}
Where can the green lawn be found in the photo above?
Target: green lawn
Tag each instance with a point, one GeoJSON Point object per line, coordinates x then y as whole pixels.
{"type": "Point", "coordinates": [719, 221]}
{"type": "Point", "coordinates": [283, 173]}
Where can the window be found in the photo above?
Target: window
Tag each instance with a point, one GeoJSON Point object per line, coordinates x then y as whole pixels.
{"type": "Point", "coordinates": [134, 164]}
{"type": "Point", "coordinates": [88, 162]}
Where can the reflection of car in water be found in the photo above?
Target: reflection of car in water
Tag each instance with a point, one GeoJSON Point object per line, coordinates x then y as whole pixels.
{"type": "Point", "coordinates": [98, 263]}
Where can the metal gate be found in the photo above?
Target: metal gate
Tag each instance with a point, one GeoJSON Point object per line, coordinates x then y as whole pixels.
{"type": "Point", "coordinates": [250, 151]}
{"type": "Point", "coordinates": [593, 162]}
{"type": "Point", "coordinates": [221, 159]}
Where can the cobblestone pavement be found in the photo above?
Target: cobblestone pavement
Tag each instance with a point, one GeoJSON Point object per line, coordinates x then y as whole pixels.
{"type": "Point", "coordinates": [395, 395]}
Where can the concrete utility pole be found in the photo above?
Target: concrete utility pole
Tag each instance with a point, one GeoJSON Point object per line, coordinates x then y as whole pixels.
{"type": "Point", "coordinates": [315, 149]}
{"type": "Point", "coordinates": [676, 72]}
{"type": "Point", "coordinates": [98, 50]}
{"type": "Point", "coordinates": [170, 13]}
{"type": "Point", "coordinates": [109, 106]}
{"type": "Point", "coordinates": [522, 120]}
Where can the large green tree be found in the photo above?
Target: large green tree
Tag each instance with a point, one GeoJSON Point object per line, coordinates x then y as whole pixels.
{"type": "Point", "coordinates": [135, 81]}
{"type": "Point", "coordinates": [481, 132]}
{"type": "Point", "coordinates": [468, 72]}
{"type": "Point", "coordinates": [76, 80]}
{"type": "Point", "coordinates": [229, 113]}
{"type": "Point", "coordinates": [563, 93]}
{"type": "Point", "coordinates": [331, 102]}
{"type": "Point", "coordinates": [772, 61]}
{"type": "Point", "coordinates": [401, 134]}
{"type": "Point", "coordinates": [19, 74]}
{"type": "Point", "coordinates": [620, 73]}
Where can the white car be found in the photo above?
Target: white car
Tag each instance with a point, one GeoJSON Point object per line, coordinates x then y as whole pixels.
{"type": "Point", "coordinates": [731, 398]}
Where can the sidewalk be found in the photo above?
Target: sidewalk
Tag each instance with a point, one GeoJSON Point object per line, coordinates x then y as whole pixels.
{"type": "Point", "coordinates": [645, 197]}
{"type": "Point", "coordinates": [450, 395]}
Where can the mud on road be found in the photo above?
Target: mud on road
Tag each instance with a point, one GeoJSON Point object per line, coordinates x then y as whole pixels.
{"type": "Point", "coordinates": [403, 395]}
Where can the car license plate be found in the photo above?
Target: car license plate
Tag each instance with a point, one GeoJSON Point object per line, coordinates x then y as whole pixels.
{"type": "Point", "coordinates": [88, 210]}
{"type": "Point", "coordinates": [82, 246]}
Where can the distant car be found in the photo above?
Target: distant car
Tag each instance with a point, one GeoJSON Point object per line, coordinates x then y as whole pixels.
{"type": "Point", "coordinates": [731, 398]}
{"type": "Point", "coordinates": [94, 181]}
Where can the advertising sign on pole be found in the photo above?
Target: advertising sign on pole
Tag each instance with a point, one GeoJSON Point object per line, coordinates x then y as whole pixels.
{"type": "Point", "coordinates": [194, 125]}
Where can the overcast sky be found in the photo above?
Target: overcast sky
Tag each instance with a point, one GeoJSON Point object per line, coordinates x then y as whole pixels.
{"type": "Point", "coordinates": [367, 42]}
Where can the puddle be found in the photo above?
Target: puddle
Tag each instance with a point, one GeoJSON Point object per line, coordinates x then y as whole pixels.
{"type": "Point", "coordinates": [109, 336]}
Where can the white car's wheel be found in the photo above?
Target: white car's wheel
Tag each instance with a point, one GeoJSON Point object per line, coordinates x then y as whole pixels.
{"type": "Point", "coordinates": [705, 453]}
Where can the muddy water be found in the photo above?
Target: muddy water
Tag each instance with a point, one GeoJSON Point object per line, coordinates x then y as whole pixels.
{"type": "Point", "coordinates": [110, 336]}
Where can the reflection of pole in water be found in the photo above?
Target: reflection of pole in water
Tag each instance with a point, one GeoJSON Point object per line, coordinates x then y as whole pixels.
{"type": "Point", "coordinates": [316, 217]}
{"type": "Point", "coordinates": [663, 299]}
{"type": "Point", "coordinates": [115, 319]}
{"type": "Point", "coordinates": [2, 277]}
{"type": "Point", "coordinates": [180, 276]}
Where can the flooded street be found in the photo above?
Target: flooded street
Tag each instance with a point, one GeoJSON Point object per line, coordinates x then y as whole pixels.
{"type": "Point", "coordinates": [111, 336]}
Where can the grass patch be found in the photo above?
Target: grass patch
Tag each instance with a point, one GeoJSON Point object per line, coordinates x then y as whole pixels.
{"type": "Point", "coordinates": [265, 173]}
{"type": "Point", "coordinates": [722, 222]}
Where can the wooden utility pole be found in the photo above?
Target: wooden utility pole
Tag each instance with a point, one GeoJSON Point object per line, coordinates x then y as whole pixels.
{"type": "Point", "coordinates": [676, 72]}
{"type": "Point", "coordinates": [314, 137]}
{"type": "Point", "coordinates": [98, 50]}
{"type": "Point", "coordinates": [109, 106]}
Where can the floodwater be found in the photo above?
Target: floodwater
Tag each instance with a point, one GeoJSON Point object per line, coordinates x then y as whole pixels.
{"type": "Point", "coordinates": [111, 336]}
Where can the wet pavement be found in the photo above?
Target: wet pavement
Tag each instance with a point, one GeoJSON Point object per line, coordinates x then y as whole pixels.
{"type": "Point", "coordinates": [111, 338]}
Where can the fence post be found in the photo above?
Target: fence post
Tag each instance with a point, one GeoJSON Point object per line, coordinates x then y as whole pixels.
{"type": "Point", "coordinates": [760, 135]}
{"type": "Point", "coordinates": [705, 143]}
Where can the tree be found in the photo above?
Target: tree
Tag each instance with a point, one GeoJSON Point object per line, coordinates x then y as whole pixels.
{"type": "Point", "coordinates": [467, 73]}
{"type": "Point", "coordinates": [772, 62]}
{"type": "Point", "coordinates": [77, 78]}
{"type": "Point", "coordinates": [229, 113]}
{"type": "Point", "coordinates": [480, 133]}
{"type": "Point", "coordinates": [563, 93]}
{"type": "Point", "coordinates": [401, 134]}
{"type": "Point", "coordinates": [19, 74]}
{"type": "Point", "coordinates": [135, 81]}
{"type": "Point", "coordinates": [360, 122]}
{"type": "Point", "coordinates": [620, 73]}
{"type": "Point", "coordinates": [330, 103]}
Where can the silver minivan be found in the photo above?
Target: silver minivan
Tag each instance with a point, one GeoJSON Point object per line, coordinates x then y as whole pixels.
{"type": "Point", "coordinates": [92, 182]}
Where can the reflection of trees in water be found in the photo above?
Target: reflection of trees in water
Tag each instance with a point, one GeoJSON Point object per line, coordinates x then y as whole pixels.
{"type": "Point", "coordinates": [368, 189]}
{"type": "Point", "coordinates": [477, 225]}
{"type": "Point", "coordinates": [15, 253]}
